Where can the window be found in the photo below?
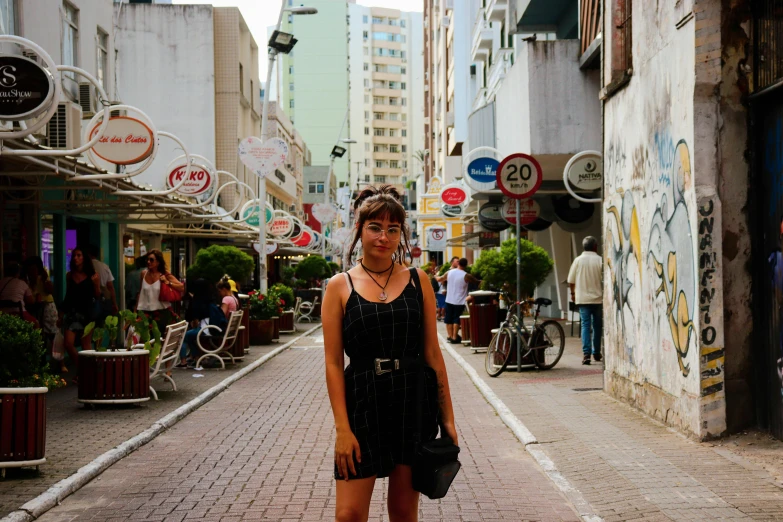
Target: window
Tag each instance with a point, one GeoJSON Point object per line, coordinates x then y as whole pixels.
{"type": "Point", "coordinates": [405, 164]}
{"type": "Point", "coordinates": [404, 116]}
{"type": "Point", "coordinates": [365, 35]}
{"type": "Point", "coordinates": [392, 133]}
{"type": "Point", "coordinates": [103, 58]}
{"type": "Point", "coordinates": [405, 102]}
{"type": "Point", "coordinates": [366, 66]}
{"type": "Point", "coordinates": [70, 37]}
{"type": "Point", "coordinates": [402, 54]}
{"type": "Point", "coordinates": [366, 51]}
{"type": "Point", "coordinates": [378, 116]}
{"type": "Point", "coordinates": [377, 20]}
{"type": "Point", "coordinates": [366, 164]}
{"type": "Point", "coordinates": [380, 179]}
{"type": "Point", "coordinates": [290, 69]}
{"type": "Point", "coordinates": [403, 86]}
{"type": "Point", "coordinates": [376, 148]}
{"type": "Point", "coordinates": [393, 101]}
{"type": "Point", "coordinates": [403, 70]}
{"type": "Point", "coordinates": [291, 104]}
{"type": "Point", "coordinates": [402, 23]}
{"type": "Point", "coordinates": [393, 116]}
{"type": "Point", "coordinates": [7, 16]}
{"type": "Point", "coordinates": [366, 98]}
{"type": "Point", "coordinates": [365, 19]}
{"type": "Point", "coordinates": [290, 19]}
{"type": "Point", "coordinates": [366, 83]}
{"type": "Point", "coordinates": [315, 187]}
{"type": "Point", "coordinates": [394, 164]}
{"type": "Point", "coordinates": [241, 79]}
{"type": "Point", "coordinates": [379, 164]}
{"type": "Point", "coordinates": [367, 147]}
{"type": "Point", "coordinates": [404, 148]}
{"type": "Point", "coordinates": [621, 45]}
{"type": "Point", "coordinates": [404, 133]}
{"type": "Point", "coordinates": [366, 115]}
{"type": "Point", "coordinates": [366, 178]}
{"type": "Point", "coordinates": [367, 131]}
{"type": "Point", "coordinates": [291, 86]}
{"type": "Point", "coordinates": [394, 148]}
{"type": "Point", "coordinates": [378, 100]}
{"type": "Point", "coordinates": [379, 132]}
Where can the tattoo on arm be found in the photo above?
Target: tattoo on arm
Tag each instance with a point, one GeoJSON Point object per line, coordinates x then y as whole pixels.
{"type": "Point", "coordinates": [441, 391]}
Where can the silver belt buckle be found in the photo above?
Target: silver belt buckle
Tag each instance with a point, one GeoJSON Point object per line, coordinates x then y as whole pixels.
{"type": "Point", "coordinates": [380, 371]}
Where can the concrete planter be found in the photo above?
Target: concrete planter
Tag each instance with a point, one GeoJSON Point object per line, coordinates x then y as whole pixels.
{"type": "Point", "coordinates": [22, 428]}
{"type": "Point", "coordinates": [121, 377]}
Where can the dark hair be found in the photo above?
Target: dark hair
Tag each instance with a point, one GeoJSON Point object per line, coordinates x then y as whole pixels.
{"type": "Point", "coordinates": [141, 262]}
{"type": "Point", "coordinates": [453, 258]}
{"type": "Point", "coordinates": [463, 262]}
{"type": "Point", "coordinates": [200, 288]}
{"type": "Point", "coordinates": [162, 268]}
{"type": "Point", "coordinates": [37, 262]}
{"type": "Point", "coordinates": [87, 266]}
{"type": "Point", "coordinates": [590, 244]}
{"type": "Point", "coordinates": [378, 203]}
{"type": "Point", "coordinates": [224, 285]}
{"type": "Point", "coordinates": [93, 251]}
{"type": "Point", "coordinates": [11, 269]}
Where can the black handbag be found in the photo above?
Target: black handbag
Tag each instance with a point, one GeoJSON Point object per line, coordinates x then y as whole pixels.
{"type": "Point", "coordinates": [435, 464]}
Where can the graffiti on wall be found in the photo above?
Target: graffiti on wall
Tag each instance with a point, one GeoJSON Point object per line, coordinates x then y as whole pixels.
{"type": "Point", "coordinates": [710, 310]}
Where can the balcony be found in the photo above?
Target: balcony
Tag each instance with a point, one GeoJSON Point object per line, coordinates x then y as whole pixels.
{"type": "Point", "coordinates": [381, 91]}
{"type": "Point", "coordinates": [497, 73]}
{"type": "Point", "coordinates": [450, 119]}
{"type": "Point", "coordinates": [387, 156]}
{"type": "Point", "coordinates": [543, 16]}
{"type": "Point", "coordinates": [496, 10]}
{"type": "Point", "coordinates": [480, 100]}
{"type": "Point", "coordinates": [387, 140]}
{"type": "Point", "coordinates": [385, 171]}
{"type": "Point", "coordinates": [482, 38]}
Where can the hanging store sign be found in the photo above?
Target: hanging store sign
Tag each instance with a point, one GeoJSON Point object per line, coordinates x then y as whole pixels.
{"type": "Point", "coordinates": [490, 216]}
{"type": "Point", "coordinates": [280, 226]}
{"type": "Point", "coordinates": [586, 171]}
{"type": "Point", "coordinates": [324, 212]}
{"type": "Point", "coordinates": [483, 170]}
{"type": "Point", "coordinates": [199, 181]}
{"type": "Point", "coordinates": [251, 213]}
{"type": "Point", "coordinates": [489, 239]}
{"type": "Point", "coordinates": [529, 210]}
{"type": "Point", "coordinates": [262, 157]}
{"type": "Point", "coordinates": [451, 210]}
{"type": "Point", "coordinates": [519, 176]}
{"type": "Point", "coordinates": [304, 238]}
{"type": "Point", "coordinates": [341, 235]}
{"type": "Point", "coordinates": [271, 248]}
{"type": "Point", "coordinates": [436, 239]}
{"type": "Point", "coordinates": [453, 195]}
{"type": "Point", "coordinates": [26, 88]}
{"type": "Point", "coordinates": [125, 142]}
{"type": "Point", "coordinates": [415, 252]}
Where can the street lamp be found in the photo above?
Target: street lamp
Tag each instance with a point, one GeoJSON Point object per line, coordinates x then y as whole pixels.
{"type": "Point", "coordinates": [280, 42]}
{"type": "Point", "coordinates": [337, 152]}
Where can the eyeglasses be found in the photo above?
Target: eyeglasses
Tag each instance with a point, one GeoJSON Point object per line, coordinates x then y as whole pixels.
{"type": "Point", "coordinates": [392, 233]}
{"type": "Point", "coordinates": [151, 259]}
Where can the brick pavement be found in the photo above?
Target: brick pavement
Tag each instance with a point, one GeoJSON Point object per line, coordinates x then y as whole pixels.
{"type": "Point", "coordinates": [627, 466]}
{"type": "Point", "coordinates": [262, 450]}
{"type": "Point", "coordinates": [76, 435]}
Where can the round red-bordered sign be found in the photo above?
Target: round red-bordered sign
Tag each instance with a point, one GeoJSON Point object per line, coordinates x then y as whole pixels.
{"type": "Point", "coordinates": [200, 179]}
{"type": "Point", "coordinates": [415, 252]}
{"type": "Point", "coordinates": [529, 211]}
{"type": "Point", "coordinates": [126, 141]}
{"type": "Point", "coordinates": [519, 176]}
{"type": "Point", "coordinates": [452, 195]}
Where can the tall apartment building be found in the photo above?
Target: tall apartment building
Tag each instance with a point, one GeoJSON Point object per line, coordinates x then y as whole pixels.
{"type": "Point", "coordinates": [387, 95]}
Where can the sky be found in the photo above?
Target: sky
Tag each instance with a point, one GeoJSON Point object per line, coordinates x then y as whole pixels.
{"type": "Point", "coordinates": [260, 14]}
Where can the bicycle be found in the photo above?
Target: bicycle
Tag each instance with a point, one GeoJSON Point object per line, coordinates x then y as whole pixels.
{"type": "Point", "coordinates": [545, 341]}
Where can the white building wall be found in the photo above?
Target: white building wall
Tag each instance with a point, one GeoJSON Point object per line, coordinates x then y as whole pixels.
{"type": "Point", "coordinates": [357, 75]}
{"type": "Point", "coordinates": [415, 81]}
{"type": "Point", "coordinates": [166, 68]}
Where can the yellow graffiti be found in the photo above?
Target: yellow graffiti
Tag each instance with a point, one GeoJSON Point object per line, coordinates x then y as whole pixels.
{"type": "Point", "coordinates": [680, 323]}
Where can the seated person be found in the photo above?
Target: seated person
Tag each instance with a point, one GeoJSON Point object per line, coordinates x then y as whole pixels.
{"type": "Point", "coordinates": [14, 289]}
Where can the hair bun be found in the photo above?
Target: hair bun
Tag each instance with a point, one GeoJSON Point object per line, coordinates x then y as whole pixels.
{"type": "Point", "coordinates": [372, 191]}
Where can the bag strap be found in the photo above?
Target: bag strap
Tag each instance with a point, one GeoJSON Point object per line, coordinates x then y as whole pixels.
{"type": "Point", "coordinates": [421, 360]}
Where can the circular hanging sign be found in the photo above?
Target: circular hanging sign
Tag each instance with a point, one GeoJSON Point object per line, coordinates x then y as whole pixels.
{"type": "Point", "coordinates": [341, 235]}
{"type": "Point", "coordinates": [271, 247]}
{"type": "Point", "coordinates": [125, 142]}
{"type": "Point", "coordinates": [199, 181]}
{"type": "Point", "coordinates": [490, 216]}
{"type": "Point", "coordinates": [415, 252]}
{"type": "Point", "coordinates": [453, 195]}
{"type": "Point", "coordinates": [251, 213]}
{"type": "Point", "coordinates": [451, 210]}
{"type": "Point", "coordinates": [483, 170]}
{"type": "Point", "coordinates": [529, 211]}
{"type": "Point", "coordinates": [262, 157]}
{"type": "Point", "coordinates": [585, 171]}
{"type": "Point", "coordinates": [304, 238]}
{"type": "Point", "coordinates": [279, 226]}
{"type": "Point", "coordinates": [324, 212]}
{"type": "Point", "coordinates": [26, 88]}
{"type": "Point", "coordinates": [519, 176]}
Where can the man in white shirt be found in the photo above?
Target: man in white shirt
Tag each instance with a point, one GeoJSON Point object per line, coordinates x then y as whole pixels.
{"type": "Point", "coordinates": [456, 293]}
{"type": "Point", "coordinates": [107, 282]}
{"type": "Point", "coordinates": [586, 282]}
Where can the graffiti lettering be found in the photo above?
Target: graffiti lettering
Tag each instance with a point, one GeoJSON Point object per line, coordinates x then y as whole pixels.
{"type": "Point", "coordinates": [707, 264]}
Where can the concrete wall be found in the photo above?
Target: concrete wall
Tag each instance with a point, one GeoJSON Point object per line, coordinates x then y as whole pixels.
{"type": "Point", "coordinates": [663, 282]}
{"type": "Point", "coordinates": [166, 68]}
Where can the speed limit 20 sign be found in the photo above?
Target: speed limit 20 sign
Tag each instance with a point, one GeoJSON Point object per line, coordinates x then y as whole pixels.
{"type": "Point", "coordinates": [519, 176]}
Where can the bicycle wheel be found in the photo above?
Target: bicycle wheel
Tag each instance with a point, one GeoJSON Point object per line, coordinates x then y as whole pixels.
{"type": "Point", "coordinates": [550, 335]}
{"type": "Point", "coordinates": [498, 352]}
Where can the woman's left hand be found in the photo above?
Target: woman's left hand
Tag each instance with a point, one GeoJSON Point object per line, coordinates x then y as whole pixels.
{"type": "Point", "coordinates": [164, 279]}
{"type": "Point", "coordinates": [451, 432]}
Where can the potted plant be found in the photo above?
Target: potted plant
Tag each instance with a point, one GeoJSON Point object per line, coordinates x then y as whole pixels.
{"type": "Point", "coordinates": [24, 382]}
{"type": "Point", "coordinates": [114, 372]}
{"type": "Point", "coordinates": [286, 295]}
{"type": "Point", "coordinates": [263, 309]}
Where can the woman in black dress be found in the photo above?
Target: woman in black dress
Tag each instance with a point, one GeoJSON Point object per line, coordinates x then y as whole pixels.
{"type": "Point", "coordinates": [376, 315]}
{"type": "Point", "coordinates": [83, 287]}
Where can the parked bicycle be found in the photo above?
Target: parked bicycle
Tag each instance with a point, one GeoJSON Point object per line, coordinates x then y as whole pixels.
{"type": "Point", "coordinates": [543, 342]}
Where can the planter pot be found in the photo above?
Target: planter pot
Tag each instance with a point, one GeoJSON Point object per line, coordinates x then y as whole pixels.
{"type": "Point", "coordinates": [22, 427]}
{"type": "Point", "coordinates": [287, 322]}
{"type": "Point", "coordinates": [243, 338]}
{"type": "Point", "coordinates": [114, 377]}
{"type": "Point", "coordinates": [464, 322]}
{"type": "Point", "coordinates": [261, 331]}
{"type": "Point", "coordinates": [483, 318]}
{"type": "Point", "coordinates": [276, 332]}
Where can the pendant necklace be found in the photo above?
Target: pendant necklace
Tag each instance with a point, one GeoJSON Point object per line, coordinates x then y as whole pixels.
{"type": "Point", "coordinates": [382, 296]}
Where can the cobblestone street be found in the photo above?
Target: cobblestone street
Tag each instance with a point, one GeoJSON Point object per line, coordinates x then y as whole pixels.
{"type": "Point", "coordinates": [263, 451]}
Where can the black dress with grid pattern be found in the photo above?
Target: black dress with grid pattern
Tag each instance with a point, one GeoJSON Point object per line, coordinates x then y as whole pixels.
{"type": "Point", "coordinates": [382, 408]}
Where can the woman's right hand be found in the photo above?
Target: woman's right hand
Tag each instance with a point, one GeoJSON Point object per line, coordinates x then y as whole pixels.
{"type": "Point", "coordinates": [345, 447]}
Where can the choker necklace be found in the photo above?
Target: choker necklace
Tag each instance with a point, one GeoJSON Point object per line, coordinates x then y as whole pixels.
{"type": "Point", "coordinates": [382, 296]}
{"type": "Point", "coordinates": [373, 271]}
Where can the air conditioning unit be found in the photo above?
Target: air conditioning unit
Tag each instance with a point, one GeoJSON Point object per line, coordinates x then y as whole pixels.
{"type": "Point", "coordinates": [64, 129]}
{"type": "Point", "coordinates": [117, 112]}
{"type": "Point", "coordinates": [87, 100]}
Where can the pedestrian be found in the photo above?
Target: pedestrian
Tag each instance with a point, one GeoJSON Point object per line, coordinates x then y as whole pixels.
{"type": "Point", "coordinates": [585, 278]}
{"type": "Point", "coordinates": [108, 294]}
{"type": "Point", "coordinates": [149, 302]}
{"type": "Point", "coordinates": [457, 281]}
{"type": "Point", "coordinates": [42, 289]}
{"type": "Point", "coordinates": [133, 282]}
{"type": "Point", "coordinates": [228, 301]}
{"type": "Point", "coordinates": [14, 289]}
{"type": "Point", "coordinates": [197, 316]}
{"type": "Point", "coordinates": [82, 290]}
{"type": "Point", "coordinates": [375, 315]}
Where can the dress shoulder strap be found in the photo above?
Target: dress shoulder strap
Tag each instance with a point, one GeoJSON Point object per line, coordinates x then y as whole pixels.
{"type": "Point", "coordinates": [348, 280]}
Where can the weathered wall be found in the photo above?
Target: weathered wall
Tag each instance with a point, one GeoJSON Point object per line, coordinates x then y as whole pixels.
{"type": "Point", "coordinates": [663, 283]}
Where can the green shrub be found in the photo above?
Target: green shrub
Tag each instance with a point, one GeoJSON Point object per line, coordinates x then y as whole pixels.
{"type": "Point", "coordinates": [214, 262]}
{"type": "Point", "coordinates": [23, 356]}
{"type": "Point", "coordinates": [313, 267]}
{"type": "Point", "coordinates": [334, 267]}
{"type": "Point", "coordinates": [264, 306]}
{"type": "Point", "coordinates": [497, 268]}
{"type": "Point", "coordinates": [286, 294]}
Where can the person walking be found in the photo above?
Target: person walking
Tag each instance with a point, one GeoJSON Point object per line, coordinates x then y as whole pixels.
{"type": "Point", "coordinates": [82, 289]}
{"type": "Point", "coordinates": [149, 302]}
{"type": "Point", "coordinates": [381, 314]}
{"type": "Point", "coordinates": [457, 281]}
{"type": "Point", "coordinates": [585, 278]}
{"type": "Point", "coordinates": [108, 294]}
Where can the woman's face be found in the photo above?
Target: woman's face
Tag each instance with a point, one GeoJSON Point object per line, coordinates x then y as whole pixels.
{"type": "Point", "coordinates": [381, 237]}
{"type": "Point", "coordinates": [78, 258]}
{"type": "Point", "coordinates": [152, 262]}
{"type": "Point", "coordinates": [32, 272]}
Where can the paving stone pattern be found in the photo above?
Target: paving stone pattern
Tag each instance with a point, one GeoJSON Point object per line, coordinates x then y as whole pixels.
{"type": "Point", "coordinates": [76, 435]}
{"type": "Point", "coordinates": [263, 450]}
{"type": "Point", "coordinates": [627, 466]}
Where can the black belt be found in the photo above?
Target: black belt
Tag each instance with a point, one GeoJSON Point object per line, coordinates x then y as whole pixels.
{"type": "Point", "coordinates": [381, 366]}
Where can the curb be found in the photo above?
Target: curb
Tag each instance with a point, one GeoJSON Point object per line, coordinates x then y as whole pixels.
{"type": "Point", "coordinates": [524, 436]}
{"type": "Point", "coordinates": [53, 496]}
